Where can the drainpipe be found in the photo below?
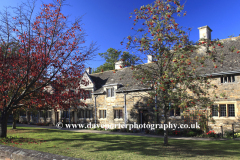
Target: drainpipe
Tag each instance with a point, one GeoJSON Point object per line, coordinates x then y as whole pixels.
{"type": "Point", "coordinates": [95, 110]}
{"type": "Point", "coordinates": [125, 110]}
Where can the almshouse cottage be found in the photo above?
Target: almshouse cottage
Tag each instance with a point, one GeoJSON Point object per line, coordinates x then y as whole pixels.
{"type": "Point", "coordinates": [116, 97]}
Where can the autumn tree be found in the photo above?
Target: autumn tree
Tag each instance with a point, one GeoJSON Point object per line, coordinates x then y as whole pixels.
{"type": "Point", "coordinates": [111, 56]}
{"type": "Point", "coordinates": [177, 72]}
{"type": "Point", "coordinates": [49, 60]}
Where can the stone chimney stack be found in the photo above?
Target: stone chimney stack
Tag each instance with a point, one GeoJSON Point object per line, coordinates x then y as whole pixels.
{"type": "Point", "coordinates": [149, 58]}
{"type": "Point", "coordinates": [118, 64]}
{"type": "Point", "coordinates": [205, 32]}
{"type": "Point", "coordinates": [89, 70]}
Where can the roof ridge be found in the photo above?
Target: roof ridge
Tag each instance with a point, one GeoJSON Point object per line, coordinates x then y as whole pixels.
{"type": "Point", "coordinates": [110, 70]}
{"type": "Point", "coordinates": [230, 38]}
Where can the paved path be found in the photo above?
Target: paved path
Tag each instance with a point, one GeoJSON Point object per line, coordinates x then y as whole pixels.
{"type": "Point", "coordinates": [119, 133]}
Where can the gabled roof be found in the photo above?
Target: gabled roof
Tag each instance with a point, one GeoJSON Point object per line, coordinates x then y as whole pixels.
{"type": "Point", "coordinates": [122, 77]}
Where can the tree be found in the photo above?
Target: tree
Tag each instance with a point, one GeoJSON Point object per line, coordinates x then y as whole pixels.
{"type": "Point", "coordinates": [13, 48]}
{"type": "Point", "coordinates": [176, 75]}
{"type": "Point", "coordinates": [112, 56]}
{"type": "Point", "coordinates": [50, 54]}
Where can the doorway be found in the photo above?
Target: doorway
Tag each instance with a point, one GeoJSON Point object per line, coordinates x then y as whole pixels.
{"type": "Point", "coordinates": [56, 117]}
{"type": "Point", "coordinates": [143, 117]}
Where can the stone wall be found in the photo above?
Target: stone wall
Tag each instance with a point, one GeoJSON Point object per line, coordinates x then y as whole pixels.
{"type": "Point", "coordinates": [232, 96]}
{"type": "Point", "coordinates": [14, 153]}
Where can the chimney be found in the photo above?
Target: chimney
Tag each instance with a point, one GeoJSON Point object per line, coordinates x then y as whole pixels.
{"type": "Point", "coordinates": [149, 58]}
{"type": "Point", "coordinates": [118, 64]}
{"type": "Point", "coordinates": [89, 70]}
{"type": "Point", "coordinates": [205, 32]}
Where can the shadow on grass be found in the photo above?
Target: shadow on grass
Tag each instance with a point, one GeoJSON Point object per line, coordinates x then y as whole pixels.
{"type": "Point", "coordinates": [154, 146]}
{"type": "Point", "coordinates": [35, 130]}
{"type": "Point", "coordinates": [141, 145]}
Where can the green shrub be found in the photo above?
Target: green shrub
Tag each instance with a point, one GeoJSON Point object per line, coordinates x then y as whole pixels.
{"type": "Point", "coordinates": [123, 130]}
{"type": "Point", "coordinates": [99, 128]}
{"type": "Point", "coordinates": [191, 134]}
{"type": "Point", "coordinates": [237, 135]}
{"type": "Point", "coordinates": [197, 131]}
{"type": "Point", "coordinates": [160, 131]}
{"type": "Point", "coordinates": [184, 132]}
{"type": "Point", "coordinates": [135, 131]}
{"type": "Point", "coordinates": [228, 134]}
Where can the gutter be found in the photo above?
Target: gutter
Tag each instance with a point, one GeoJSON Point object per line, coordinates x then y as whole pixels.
{"type": "Point", "coordinates": [114, 84]}
{"type": "Point", "coordinates": [97, 93]}
{"type": "Point", "coordinates": [143, 89]}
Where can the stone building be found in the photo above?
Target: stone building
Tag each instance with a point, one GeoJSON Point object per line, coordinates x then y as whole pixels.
{"type": "Point", "coordinates": [116, 97]}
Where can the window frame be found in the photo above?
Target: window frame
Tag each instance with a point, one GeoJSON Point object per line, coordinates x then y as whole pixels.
{"type": "Point", "coordinates": [42, 114]}
{"type": "Point", "coordinates": [65, 114]}
{"type": "Point", "coordinates": [102, 114]}
{"type": "Point", "coordinates": [232, 105]}
{"type": "Point", "coordinates": [223, 110]}
{"type": "Point", "coordinates": [214, 110]}
{"type": "Point", "coordinates": [80, 113]}
{"type": "Point", "coordinates": [117, 113]}
{"type": "Point", "coordinates": [227, 112]}
{"type": "Point", "coordinates": [174, 112]}
{"type": "Point", "coordinates": [49, 114]}
{"type": "Point", "coordinates": [227, 79]}
{"type": "Point", "coordinates": [87, 94]}
{"type": "Point", "coordinates": [110, 92]}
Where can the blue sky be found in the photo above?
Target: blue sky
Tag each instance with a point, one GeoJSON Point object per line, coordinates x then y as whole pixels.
{"type": "Point", "coordinates": [107, 21]}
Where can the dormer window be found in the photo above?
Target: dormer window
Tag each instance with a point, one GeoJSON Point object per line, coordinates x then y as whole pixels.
{"type": "Point", "coordinates": [228, 79]}
{"type": "Point", "coordinates": [86, 94]}
{"type": "Point", "coordinates": [110, 92]}
{"type": "Point", "coordinates": [89, 95]}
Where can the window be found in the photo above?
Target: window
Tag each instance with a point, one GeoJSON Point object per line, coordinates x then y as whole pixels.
{"type": "Point", "coordinates": [118, 113]}
{"type": "Point", "coordinates": [90, 113]}
{"type": "Point", "coordinates": [42, 113]}
{"type": "Point", "coordinates": [80, 113]}
{"type": "Point", "coordinates": [102, 113]}
{"type": "Point", "coordinates": [231, 110]}
{"type": "Point", "coordinates": [65, 114]}
{"type": "Point", "coordinates": [86, 94]}
{"type": "Point", "coordinates": [228, 79]}
{"type": "Point", "coordinates": [177, 112]}
{"type": "Point", "coordinates": [89, 94]}
{"type": "Point", "coordinates": [222, 110]}
{"type": "Point", "coordinates": [225, 110]}
{"type": "Point", "coordinates": [84, 113]}
{"type": "Point", "coordinates": [174, 112]}
{"type": "Point", "coordinates": [87, 114]}
{"type": "Point", "coordinates": [49, 114]}
{"type": "Point", "coordinates": [215, 110]}
{"type": "Point", "coordinates": [110, 92]}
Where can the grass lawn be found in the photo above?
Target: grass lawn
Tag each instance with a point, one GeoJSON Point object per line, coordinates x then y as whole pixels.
{"type": "Point", "coordinates": [105, 146]}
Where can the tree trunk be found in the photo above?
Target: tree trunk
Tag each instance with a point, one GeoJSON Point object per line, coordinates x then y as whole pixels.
{"type": "Point", "coordinates": [166, 130]}
{"type": "Point", "coordinates": [3, 127]}
{"type": "Point", "coordinates": [14, 120]}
